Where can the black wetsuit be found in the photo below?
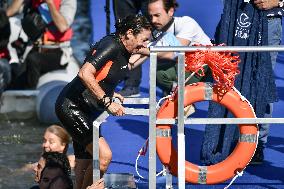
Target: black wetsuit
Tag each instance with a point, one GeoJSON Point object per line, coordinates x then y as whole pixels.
{"type": "Point", "coordinates": [76, 107]}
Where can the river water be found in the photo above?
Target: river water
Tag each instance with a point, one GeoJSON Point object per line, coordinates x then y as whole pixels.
{"type": "Point", "coordinates": [19, 145]}
{"type": "Point", "coordinates": [20, 141]}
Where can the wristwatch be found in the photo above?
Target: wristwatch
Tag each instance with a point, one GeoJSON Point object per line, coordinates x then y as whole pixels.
{"type": "Point", "coordinates": [281, 3]}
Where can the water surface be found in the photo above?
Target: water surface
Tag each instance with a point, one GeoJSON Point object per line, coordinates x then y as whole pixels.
{"type": "Point", "coordinates": [20, 143]}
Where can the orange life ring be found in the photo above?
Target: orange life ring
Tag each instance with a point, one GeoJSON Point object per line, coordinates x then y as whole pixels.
{"type": "Point", "coordinates": [236, 161]}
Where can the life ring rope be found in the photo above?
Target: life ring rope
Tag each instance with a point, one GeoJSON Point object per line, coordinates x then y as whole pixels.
{"type": "Point", "coordinates": [142, 152]}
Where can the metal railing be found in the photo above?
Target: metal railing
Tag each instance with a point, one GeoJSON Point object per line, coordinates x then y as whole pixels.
{"type": "Point", "coordinates": [180, 118]}
{"type": "Point", "coordinates": [102, 118]}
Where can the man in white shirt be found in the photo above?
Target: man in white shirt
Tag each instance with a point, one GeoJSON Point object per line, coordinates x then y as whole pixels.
{"type": "Point", "coordinates": [172, 31]}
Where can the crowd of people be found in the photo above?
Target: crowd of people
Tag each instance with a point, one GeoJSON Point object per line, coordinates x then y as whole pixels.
{"type": "Point", "coordinates": [118, 57]}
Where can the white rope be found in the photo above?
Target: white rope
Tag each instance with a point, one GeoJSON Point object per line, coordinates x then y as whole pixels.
{"type": "Point", "coordinates": [161, 172]}
{"type": "Point", "coordinates": [136, 166]}
{"type": "Point", "coordinates": [239, 174]}
{"type": "Point", "coordinates": [165, 97]}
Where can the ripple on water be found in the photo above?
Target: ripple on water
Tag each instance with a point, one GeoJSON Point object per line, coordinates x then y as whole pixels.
{"type": "Point", "coordinates": [20, 143]}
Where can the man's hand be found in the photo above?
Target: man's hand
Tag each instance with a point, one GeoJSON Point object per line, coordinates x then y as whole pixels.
{"type": "Point", "coordinates": [99, 184]}
{"type": "Point", "coordinates": [59, 21]}
{"type": "Point", "coordinates": [144, 51]}
{"type": "Point", "coordinates": [14, 8]}
{"type": "Point", "coordinates": [116, 109]}
{"type": "Point", "coordinates": [119, 96]}
{"type": "Point", "coordinates": [266, 4]}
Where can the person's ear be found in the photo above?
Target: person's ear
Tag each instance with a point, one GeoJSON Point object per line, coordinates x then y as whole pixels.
{"type": "Point", "coordinates": [129, 33]}
{"type": "Point", "coordinates": [171, 12]}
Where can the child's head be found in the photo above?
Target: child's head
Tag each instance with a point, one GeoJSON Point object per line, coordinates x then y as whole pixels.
{"type": "Point", "coordinates": [55, 139]}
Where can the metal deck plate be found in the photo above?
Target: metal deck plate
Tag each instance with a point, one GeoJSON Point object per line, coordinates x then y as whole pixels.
{"type": "Point", "coordinates": [119, 180]}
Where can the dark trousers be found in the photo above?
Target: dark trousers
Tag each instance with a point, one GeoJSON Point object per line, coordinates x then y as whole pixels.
{"type": "Point", "coordinates": [35, 65]}
{"type": "Point", "coordinates": [123, 8]}
{"type": "Point", "coordinates": [167, 75]}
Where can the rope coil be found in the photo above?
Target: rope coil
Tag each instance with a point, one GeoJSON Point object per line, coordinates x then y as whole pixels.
{"type": "Point", "coordinates": [224, 66]}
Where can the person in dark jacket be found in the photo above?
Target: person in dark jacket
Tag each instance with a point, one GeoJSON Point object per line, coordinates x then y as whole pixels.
{"type": "Point", "coordinates": [241, 24]}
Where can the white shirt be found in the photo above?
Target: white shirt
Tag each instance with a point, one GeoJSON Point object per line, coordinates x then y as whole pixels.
{"type": "Point", "coordinates": [183, 27]}
{"type": "Point", "coordinates": [187, 28]}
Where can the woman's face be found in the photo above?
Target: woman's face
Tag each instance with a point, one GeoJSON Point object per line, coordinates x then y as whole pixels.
{"type": "Point", "coordinates": [52, 143]}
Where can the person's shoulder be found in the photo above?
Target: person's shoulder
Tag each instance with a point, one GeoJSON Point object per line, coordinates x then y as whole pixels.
{"type": "Point", "coordinates": [108, 46]}
{"type": "Point", "coordinates": [186, 22]}
{"type": "Point", "coordinates": [107, 38]}
{"type": "Point", "coordinates": [110, 40]}
{"type": "Point", "coordinates": [184, 19]}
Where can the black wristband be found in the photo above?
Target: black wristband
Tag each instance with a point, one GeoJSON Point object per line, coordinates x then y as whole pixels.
{"type": "Point", "coordinates": [104, 103]}
{"type": "Point", "coordinates": [107, 105]}
{"type": "Point", "coordinates": [101, 101]}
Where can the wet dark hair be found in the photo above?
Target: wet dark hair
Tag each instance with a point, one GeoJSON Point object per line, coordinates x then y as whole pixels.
{"type": "Point", "coordinates": [55, 159]}
{"type": "Point", "coordinates": [135, 22]}
{"type": "Point", "coordinates": [65, 181]}
{"type": "Point", "coordinates": [52, 166]}
{"type": "Point", "coordinates": [167, 4]}
{"type": "Point", "coordinates": [4, 29]}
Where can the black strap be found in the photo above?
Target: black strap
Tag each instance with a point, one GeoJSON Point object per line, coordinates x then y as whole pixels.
{"type": "Point", "coordinates": [168, 25]}
{"type": "Point", "coordinates": [156, 34]}
{"type": "Point", "coordinates": [107, 17]}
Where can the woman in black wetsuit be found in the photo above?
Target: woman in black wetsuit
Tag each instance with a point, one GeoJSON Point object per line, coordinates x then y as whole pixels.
{"type": "Point", "coordinates": [91, 92]}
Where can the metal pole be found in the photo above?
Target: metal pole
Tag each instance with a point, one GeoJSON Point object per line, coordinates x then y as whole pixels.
{"type": "Point", "coordinates": [96, 160]}
{"type": "Point", "coordinates": [169, 179]}
{"type": "Point", "coordinates": [181, 136]}
{"type": "Point", "coordinates": [136, 101]}
{"type": "Point", "coordinates": [198, 121]}
{"type": "Point", "coordinates": [152, 121]}
{"type": "Point", "coordinates": [220, 48]}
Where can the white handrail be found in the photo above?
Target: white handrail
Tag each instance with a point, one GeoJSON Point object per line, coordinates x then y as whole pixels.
{"type": "Point", "coordinates": [219, 48]}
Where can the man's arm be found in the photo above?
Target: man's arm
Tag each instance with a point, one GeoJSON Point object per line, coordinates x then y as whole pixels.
{"type": "Point", "coordinates": [14, 8]}
{"type": "Point", "coordinates": [167, 55]}
{"type": "Point", "coordinates": [136, 60]}
{"type": "Point", "coordinates": [59, 20]}
{"type": "Point", "coordinates": [87, 76]}
{"type": "Point", "coordinates": [184, 42]}
{"type": "Point", "coordinates": [170, 55]}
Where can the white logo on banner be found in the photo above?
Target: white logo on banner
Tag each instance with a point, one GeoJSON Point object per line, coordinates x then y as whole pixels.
{"type": "Point", "coordinates": [242, 29]}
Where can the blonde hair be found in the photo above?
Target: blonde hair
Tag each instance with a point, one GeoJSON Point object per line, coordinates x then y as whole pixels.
{"type": "Point", "coordinates": [61, 133]}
